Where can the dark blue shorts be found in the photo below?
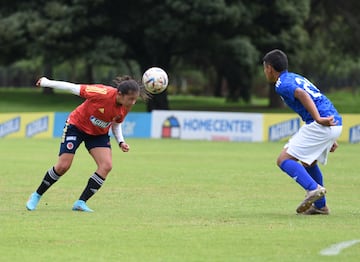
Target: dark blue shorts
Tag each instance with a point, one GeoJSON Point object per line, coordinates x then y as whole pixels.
{"type": "Point", "coordinates": [72, 137]}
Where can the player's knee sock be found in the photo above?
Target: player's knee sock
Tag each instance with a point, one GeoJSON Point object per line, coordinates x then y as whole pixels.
{"type": "Point", "coordinates": [316, 174]}
{"type": "Point", "coordinates": [50, 178]}
{"type": "Point", "coordinates": [93, 185]}
{"type": "Point", "coordinates": [298, 173]}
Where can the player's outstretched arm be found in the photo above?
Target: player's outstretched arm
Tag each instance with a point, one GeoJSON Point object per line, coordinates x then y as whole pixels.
{"type": "Point", "coordinates": [62, 85]}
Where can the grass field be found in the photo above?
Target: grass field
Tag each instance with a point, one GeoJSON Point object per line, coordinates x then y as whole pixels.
{"type": "Point", "coordinates": [172, 200]}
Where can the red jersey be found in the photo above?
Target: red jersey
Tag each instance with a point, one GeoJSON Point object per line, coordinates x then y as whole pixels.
{"type": "Point", "coordinates": [97, 113]}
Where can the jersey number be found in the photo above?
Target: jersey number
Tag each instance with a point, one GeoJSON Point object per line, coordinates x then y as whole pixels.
{"type": "Point", "coordinates": [308, 87]}
{"type": "Point", "coordinates": [95, 89]}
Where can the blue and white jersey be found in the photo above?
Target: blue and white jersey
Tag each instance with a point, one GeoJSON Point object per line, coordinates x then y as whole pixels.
{"type": "Point", "coordinates": [285, 87]}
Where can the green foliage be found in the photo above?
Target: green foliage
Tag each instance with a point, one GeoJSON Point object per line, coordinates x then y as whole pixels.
{"type": "Point", "coordinates": [217, 203]}
{"type": "Point", "coordinates": [33, 100]}
{"type": "Point", "coordinates": [223, 40]}
{"type": "Point", "coordinates": [279, 24]}
{"type": "Point", "coordinates": [332, 56]}
{"type": "Point", "coordinates": [188, 82]}
{"type": "Point", "coordinates": [12, 37]}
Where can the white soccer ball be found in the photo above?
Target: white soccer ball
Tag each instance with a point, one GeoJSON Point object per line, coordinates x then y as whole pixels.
{"type": "Point", "coordinates": [155, 80]}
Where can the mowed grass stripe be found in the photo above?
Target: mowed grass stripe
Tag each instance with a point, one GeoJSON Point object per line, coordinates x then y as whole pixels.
{"type": "Point", "coordinates": [173, 200]}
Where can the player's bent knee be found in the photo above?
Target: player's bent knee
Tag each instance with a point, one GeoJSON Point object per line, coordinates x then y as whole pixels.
{"type": "Point", "coordinates": [279, 161]}
{"type": "Point", "coordinates": [105, 168]}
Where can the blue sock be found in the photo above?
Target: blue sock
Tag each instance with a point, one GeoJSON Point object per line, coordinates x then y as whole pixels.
{"type": "Point", "coordinates": [298, 173]}
{"type": "Point", "coordinates": [316, 174]}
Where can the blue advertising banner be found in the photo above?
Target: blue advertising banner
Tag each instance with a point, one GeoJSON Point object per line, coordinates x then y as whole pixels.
{"type": "Point", "coordinates": [135, 125]}
{"type": "Point", "coordinates": [59, 123]}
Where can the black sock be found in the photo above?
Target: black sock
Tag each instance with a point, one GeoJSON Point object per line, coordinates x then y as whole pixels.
{"type": "Point", "coordinates": [50, 178]}
{"type": "Point", "coordinates": [93, 185]}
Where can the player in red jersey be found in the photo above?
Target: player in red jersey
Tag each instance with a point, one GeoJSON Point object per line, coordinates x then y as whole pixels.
{"type": "Point", "coordinates": [104, 107]}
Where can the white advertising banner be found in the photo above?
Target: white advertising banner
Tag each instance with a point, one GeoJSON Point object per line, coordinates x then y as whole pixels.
{"type": "Point", "coordinates": [207, 125]}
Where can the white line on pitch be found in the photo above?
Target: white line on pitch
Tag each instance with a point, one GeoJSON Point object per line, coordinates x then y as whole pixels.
{"type": "Point", "coordinates": [335, 249]}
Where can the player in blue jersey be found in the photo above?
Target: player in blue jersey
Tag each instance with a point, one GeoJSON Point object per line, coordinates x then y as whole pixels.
{"type": "Point", "coordinates": [314, 140]}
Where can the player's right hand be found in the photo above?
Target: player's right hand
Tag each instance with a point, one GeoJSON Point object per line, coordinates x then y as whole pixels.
{"type": "Point", "coordinates": [327, 121]}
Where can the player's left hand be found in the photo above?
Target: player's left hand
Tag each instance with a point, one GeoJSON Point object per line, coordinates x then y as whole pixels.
{"type": "Point", "coordinates": [334, 146]}
{"type": "Point", "coordinates": [124, 147]}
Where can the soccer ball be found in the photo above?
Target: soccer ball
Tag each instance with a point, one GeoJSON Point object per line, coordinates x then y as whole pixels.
{"type": "Point", "coordinates": [155, 80]}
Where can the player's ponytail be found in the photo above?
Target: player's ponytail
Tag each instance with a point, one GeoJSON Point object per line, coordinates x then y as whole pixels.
{"type": "Point", "coordinates": [126, 84]}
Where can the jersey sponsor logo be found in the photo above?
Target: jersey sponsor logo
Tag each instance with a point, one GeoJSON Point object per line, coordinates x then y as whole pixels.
{"type": "Point", "coordinates": [100, 123]}
{"type": "Point", "coordinates": [284, 129]}
{"type": "Point", "coordinates": [95, 89]}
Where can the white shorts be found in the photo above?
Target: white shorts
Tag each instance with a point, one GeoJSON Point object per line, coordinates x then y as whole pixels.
{"type": "Point", "coordinates": [313, 142]}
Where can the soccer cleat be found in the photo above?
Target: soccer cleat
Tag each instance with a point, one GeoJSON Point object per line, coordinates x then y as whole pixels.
{"type": "Point", "coordinates": [310, 198]}
{"type": "Point", "coordinates": [80, 205]}
{"type": "Point", "coordinates": [313, 210]}
{"type": "Point", "coordinates": [33, 201]}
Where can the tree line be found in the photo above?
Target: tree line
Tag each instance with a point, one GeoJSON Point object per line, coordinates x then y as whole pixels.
{"type": "Point", "coordinates": [224, 40]}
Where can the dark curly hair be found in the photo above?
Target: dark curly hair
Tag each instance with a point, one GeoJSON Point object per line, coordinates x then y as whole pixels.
{"type": "Point", "coordinates": [126, 84]}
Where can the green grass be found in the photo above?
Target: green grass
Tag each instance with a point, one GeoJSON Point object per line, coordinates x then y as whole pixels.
{"type": "Point", "coordinates": [33, 100]}
{"type": "Point", "coordinates": [174, 200]}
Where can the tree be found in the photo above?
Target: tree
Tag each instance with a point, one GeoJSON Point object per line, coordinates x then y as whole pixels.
{"type": "Point", "coordinates": [216, 36]}
{"type": "Point", "coordinates": [13, 33]}
{"type": "Point", "coordinates": [279, 24]}
{"type": "Point", "coordinates": [198, 32]}
{"type": "Point", "coordinates": [333, 28]}
{"type": "Point", "coordinates": [225, 39]}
